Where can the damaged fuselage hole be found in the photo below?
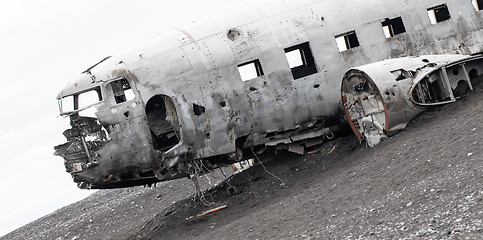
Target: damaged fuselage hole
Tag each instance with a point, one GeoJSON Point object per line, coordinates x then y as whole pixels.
{"type": "Point", "coordinates": [234, 34]}
{"type": "Point", "coordinates": [163, 122]}
{"type": "Point", "coordinates": [198, 109]}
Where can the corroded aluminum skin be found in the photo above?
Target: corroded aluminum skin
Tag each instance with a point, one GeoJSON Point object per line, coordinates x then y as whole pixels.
{"type": "Point", "coordinates": [198, 65]}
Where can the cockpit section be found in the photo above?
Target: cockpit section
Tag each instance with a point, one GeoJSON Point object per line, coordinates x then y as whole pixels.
{"type": "Point", "coordinates": [104, 116]}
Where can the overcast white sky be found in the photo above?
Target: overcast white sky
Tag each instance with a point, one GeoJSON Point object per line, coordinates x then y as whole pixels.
{"type": "Point", "coordinates": [44, 45]}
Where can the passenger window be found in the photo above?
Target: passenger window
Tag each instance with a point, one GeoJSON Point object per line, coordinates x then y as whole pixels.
{"type": "Point", "coordinates": [121, 90]}
{"type": "Point", "coordinates": [347, 41]}
{"type": "Point", "coordinates": [438, 14]}
{"type": "Point", "coordinates": [301, 60]}
{"type": "Point", "coordinates": [250, 70]}
{"type": "Point", "coordinates": [478, 4]}
{"type": "Point", "coordinates": [393, 27]}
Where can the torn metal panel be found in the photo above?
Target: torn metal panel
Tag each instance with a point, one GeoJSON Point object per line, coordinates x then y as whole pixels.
{"type": "Point", "coordinates": [313, 142]}
{"type": "Point", "coordinates": [296, 148]}
{"type": "Point", "coordinates": [379, 99]}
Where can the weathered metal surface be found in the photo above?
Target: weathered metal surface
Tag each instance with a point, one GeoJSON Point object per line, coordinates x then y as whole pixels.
{"type": "Point", "coordinates": [179, 97]}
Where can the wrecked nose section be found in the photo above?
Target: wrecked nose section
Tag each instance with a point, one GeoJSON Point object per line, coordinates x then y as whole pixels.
{"type": "Point", "coordinates": [380, 99]}
{"type": "Point", "coordinates": [83, 140]}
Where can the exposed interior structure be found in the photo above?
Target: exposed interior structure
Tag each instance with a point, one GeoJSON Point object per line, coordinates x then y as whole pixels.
{"type": "Point", "coordinates": [163, 121]}
{"type": "Point", "coordinates": [447, 83]}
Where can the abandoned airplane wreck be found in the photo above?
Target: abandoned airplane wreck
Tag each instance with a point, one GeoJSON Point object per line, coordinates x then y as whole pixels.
{"type": "Point", "coordinates": [283, 76]}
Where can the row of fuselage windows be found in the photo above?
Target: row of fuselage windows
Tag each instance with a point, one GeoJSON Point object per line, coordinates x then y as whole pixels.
{"type": "Point", "coordinates": [301, 60]}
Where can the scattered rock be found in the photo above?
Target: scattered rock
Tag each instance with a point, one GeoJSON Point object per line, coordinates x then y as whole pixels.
{"type": "Point", "coordinates": [458, 230]}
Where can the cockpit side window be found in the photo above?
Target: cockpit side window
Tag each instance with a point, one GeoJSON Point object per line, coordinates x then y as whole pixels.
{"type": "Point", "coordinates": [121, 91]}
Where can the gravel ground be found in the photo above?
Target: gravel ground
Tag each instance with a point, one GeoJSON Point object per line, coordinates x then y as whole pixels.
{"type": "Point", "coordinates": [423, 183]}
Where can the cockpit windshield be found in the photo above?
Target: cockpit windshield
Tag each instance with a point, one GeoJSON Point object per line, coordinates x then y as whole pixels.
{"type": "Point", "coordinates": [80, 102]}
{"type": "Point", "coordinates": [66, 104]}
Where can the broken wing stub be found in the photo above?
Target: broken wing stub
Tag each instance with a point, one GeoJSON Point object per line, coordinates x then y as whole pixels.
{"type": "Point", "coordinates": [380, 98]}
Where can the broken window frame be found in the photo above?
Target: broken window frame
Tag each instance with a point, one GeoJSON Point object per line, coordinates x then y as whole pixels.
{"type": "Point", "coordinates": [120, 91]}
{"type": "Point", "coordinates": [347, 41]}
{"type": "Point", "coordinates": [393, 27]}
{"type": "Point", "coordinates": [304, 63]}
{"type": "Point", "coordinates": [436, 15]}
{"type": "Point", "coordinates": [88, 99]}
{"type": "Point", "coordinates": [73, 100]}
{"type": "Point", "coordinates": [66, 104]}
{"type": "Point", "coordinates": [250, 70]}
{"type": "Point", "coordinates": [477, 4]}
